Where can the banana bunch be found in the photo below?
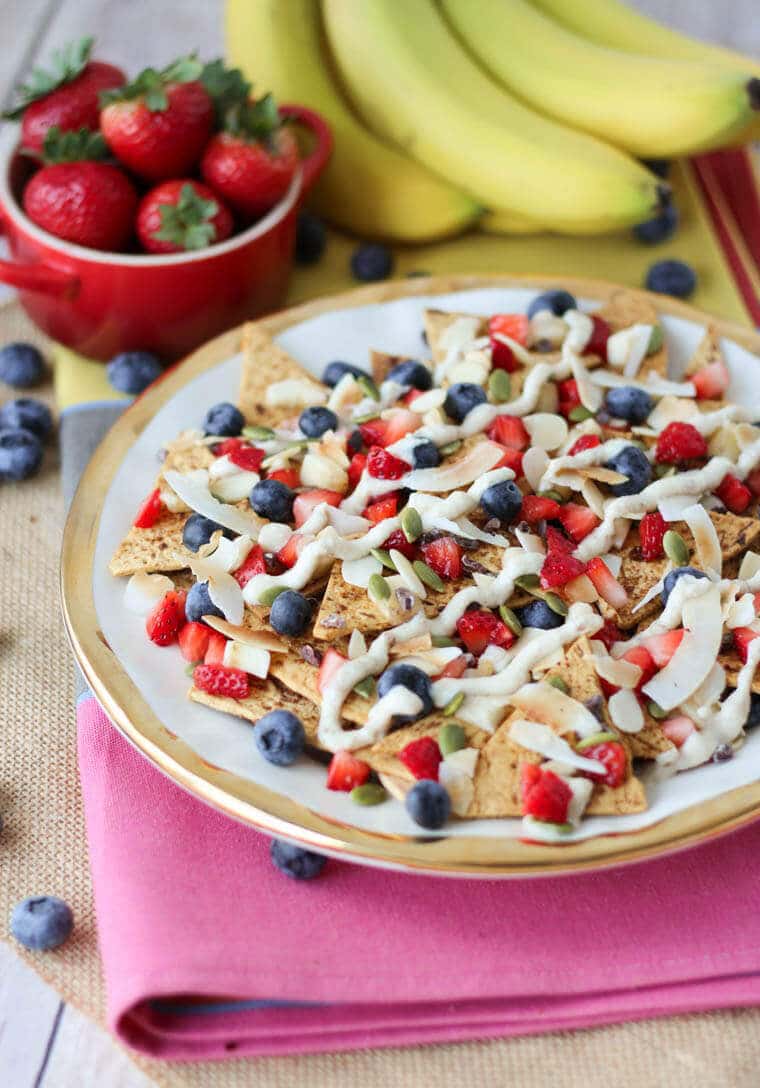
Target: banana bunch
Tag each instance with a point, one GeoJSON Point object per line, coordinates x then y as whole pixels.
{"type": "Point", "coordinates": [524, 115]}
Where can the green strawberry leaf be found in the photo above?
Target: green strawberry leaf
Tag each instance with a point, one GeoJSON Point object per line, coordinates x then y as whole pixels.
{"type": "Point", "coordinates": [80, 146]}
{"type": "Point", "coordinates": [188, 222]}
{"type": "Point", "coordinates": [227, 87]}
{"type": "Point", "coordinates": [254, 120]}
{"type": "Point", "coordinates": [65, 65]}
{"type": "Point", "coordinates": [151, 84]}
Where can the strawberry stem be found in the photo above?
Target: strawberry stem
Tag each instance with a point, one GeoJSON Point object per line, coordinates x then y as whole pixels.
{"type": "Point", "coordinates": [151, 84]}
{"type": "Point", "coordinates": [65, 65]}
{"type": "Point", "coordinates": [83, 145]}
{"type": "Point", "coordinates": [188, 223]}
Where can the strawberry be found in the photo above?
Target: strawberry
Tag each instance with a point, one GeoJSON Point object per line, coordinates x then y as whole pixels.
{"type": "Point", "coordinates": [252, 162]}
{"type": "Point", "coordinates": [291, 477]}
{"type": "Point", "coordinates": [444, 556]}
{"type": "Point", "coordinates": [585, 442]}
{"type": "Point", "coordinates": [252, 565]}
{"type": "Point", "coordinates": [753, 482]}
{"type": "Point", "coordinates": [711, 382]}
{"type": "Point", "coordinates": [398, 542]}
{"type": "Point", "coordinates": [150, 511]}
{"type": "Point", "coordinates": [535, 509]}
{"type": "Point", "coordinates": [479, 628]}
{"type": "Point", "coordinates": [222, 680]}
{"type": "Point", "coordinates": [569, 397]}
{"type": "Point", "coordinates": [331, 663]}
{"type": "Point", "coordinates": [509, 431]}
{"type": "Point", "coordinates": [422, 757]}
{"type": "Point", "coordinates": [158, 124]}
{"type": "Point", "coordinates": [306, 501]}
{"type": "Point", "coordinates": [605, 583]}
{"type": "Point", "coordinates": [512, 459]}
{"type": "Point", "coordinates": [246, 457]}
{"type": "Point", "coordinates": [639, 655]}
{"type": "Point", "coordinates": [76, 197]}
{"type": "Point", "coordinates": [662, 647]}
{"type": "Point", "coordinates": [193, 641]}
{"type": "Point", "coordinates": [382, 465]}
{"type": "Point", "coordinates": [559, 568]}
{"type": "Point", "coordinates": [401, 423]}
{"type": "Point", "coordinates": [346, 772]}
{"type": "Point", "coordinates": [164, 622]}
{"type": "Point", "coordinates": [454, 668]}
{"type": "Point", "coordinates": [612, 754]}
{"type": "Point", "coordinates": [515, 326]}
{"type": "Point", "coordinates": [373, 432]}
{"type": "Point", "coordinates": [678, 729]}
{"type": "Point", "coordinates": [679, 442]}
{"type": "Point", "coordinates": [66, 96]}
{"type": "Point", "coordinates": [742, 638]}
{"type": "Point", "coordinates": [181, 215]}
{"type": "Point", "coordinates": [383, 508]}
{"type": "Point", "coordinates": [291, 549]}
{"type": "Point", "coordinates": [556, 541]}
{"type": "Point", "coordinates": [545, 796]}
{"type": "Point", "coordinates": [601, 333]}
{"type": "Point", "coordinates": [502, 356]}
{"type": "Point", "coordinates": [577, 520]}
{"type": "Point", "coordinates": [214, 654]}
{"type": "Point", "coordinates": [356, 468]}
{"type": "Point", "coordinates": [734, 495]}
{"type": "Point", "coordinates": [409, 398]}
{"type": "Point", "coordinates": [225, 448]}
{"type": "Point", "coordinates": [609, 634]}
{"type": "Point", "coordinates": [651, 531]}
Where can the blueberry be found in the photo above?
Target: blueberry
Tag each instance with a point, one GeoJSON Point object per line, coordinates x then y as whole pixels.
{"type": "Point", "coordinates": [31, 415]}
{"type": "Point", "coordinates": [538, 614]}
{"type": "Point", "coordinates": [311, 238]}
{"type": "Point", "coordinates": [41, 922]}
{"type": "Point", "coordinates": [672, 278]}
{"type": "Point", "coordinates": [280, 737]}
{"type": "Point", "coordinates": [20, 454]}
{"type": "Point", "coordinates": [272, 499]}
{"type": "Point", "coordinates": [21, 365]}
{"type": "Point", "coordinates": [354, 442]}
{"type": "Point", "coordinates": [316, 420]}
{"type": "Point", "coordinates": [555, 301]}
{"type": "Point", "coordinates": [290, 613]}
{"type": "Point", "coordinates": [672, 577]}
{"type": "Point", "coordinates": [428, 804]}
{"type": "Point", "coordinates": [753, 718]}
{"type": "Point", "coordinates": [294, 861]}
{"type": "Point", "coordinates": [371, 261]}
{"type": "Point", "coordinates": [631, 462]}
{"type": "Point", "coordinates": [199, 603]}
{"type": "Point", "coordinates": [199, 530]}
{"type": "Point", "coordinates": [502, 500]}
{"type": "Point", "coordinates": [659, 229]}
{"type": "Point", "coordinates": [660, 167]}
{"type": "Point", "coordinates": [407, 676]}
{"type": "Point", "coordinates": [224, 419]}
{"type": "Point", "coordinates": [133, 371]}
{"type": "Point", "coordinates": [628, 402]}
{"type": "Point", "coordinates": [426, 455]}
{"type": "Point", "coordinates": [461, 398]}
{"type": "Point", "coordinates": [411, 373]}
{"type": "Point", "coordinates": [337, 369]}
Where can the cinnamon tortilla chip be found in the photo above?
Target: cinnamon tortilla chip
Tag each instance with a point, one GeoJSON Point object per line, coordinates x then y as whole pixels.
{"type": "Point", "coordinates": [265, 695]}
{"type": "Point", "coordinates": [383, 756]}
{"type": "Point", "coordinates": [158, 548]}
{"type": "Point", "coordinates": [381, 363]}
{"type": "Point", "coordinates": [264, 363]}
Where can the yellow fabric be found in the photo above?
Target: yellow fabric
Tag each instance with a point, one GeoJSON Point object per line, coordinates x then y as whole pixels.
{"type": "Point", "coordinates": [617, 257]}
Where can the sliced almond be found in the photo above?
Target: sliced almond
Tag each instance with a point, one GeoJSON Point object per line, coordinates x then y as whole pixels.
{"type": "Point", "coordinates": [261, 640]}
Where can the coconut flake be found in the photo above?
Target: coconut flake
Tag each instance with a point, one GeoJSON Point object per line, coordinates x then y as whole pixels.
{"type": "Point", "coordinates": [466, 528]}
{"type": "Point", "coordinates": [673, 507]}
{"type": "Point", "coordinates": [617, 671]}
{"type": "Point", "coordinates": [566, 714]}
{"type": "Point", "coordinates": [534, 464]}
{"type": "Point", "coordinates": [261, 640]}
{"type": "Point", "coordinates": [144, 591]}
{"type": "Point", "coordinates": [274, 536]}
{"type": "Point", "coordinates": [742, 612]}
{"type": "Point", "coordinates": [705, 537]}
{"type": "Point", "coordinates": [251, 659]}
{"type": "Point", "coordinates": [627, 348]}
{"type": "Point", "coordinates": [541, 739]}
{"type": "Point", "coordinates": [529, 542]}
{"type": "Point", "coordinates": [626, 712]}
{"type": "Point", "coordinates": [293, 393]}
{"type": "Point", "coordinates": [749, 566]}
{"type": "Point", "coordinates": [480, 459]}
{"type": "Point", "coordinates": [357, 572]}
{"type": "Point", "coordinates": [426, 402]}
{"type": "Point", "coordinates": [696, 654]}
{"type": "Point", "coordinates": [198, 498]}
{"type": "Point", "coordinates": [650, 595]}
{"type": "Point", "coordinates": [408, 574]}
{"type": "Point", "coordinates": [547, 430]}
{"type": "Point", "coordinates": [484, 711]}
{"type": "Point", "coordinates": [229, 555]}
{"type": "Point", "coordinates": [318, 470]}
{"type": "Point", "coordinates": [357, 644]}
{"type": "Point", "coordinates": [234, 487]}
{"type": "Point", "coordinates": [590, 394]}
{"type": "Point", "coordinates": [593, 496]}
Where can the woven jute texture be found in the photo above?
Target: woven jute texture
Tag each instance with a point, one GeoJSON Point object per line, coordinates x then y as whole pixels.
{"type": "Point", "coordinates": [43, 849]}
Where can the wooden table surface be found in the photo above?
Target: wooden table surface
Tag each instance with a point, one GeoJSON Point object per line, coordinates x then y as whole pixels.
{"type": "Point", "coordinates": [43, 1043]}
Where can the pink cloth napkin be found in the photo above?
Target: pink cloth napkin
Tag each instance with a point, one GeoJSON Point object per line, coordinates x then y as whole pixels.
{"type": "Point", "coordinates": [200, 934]}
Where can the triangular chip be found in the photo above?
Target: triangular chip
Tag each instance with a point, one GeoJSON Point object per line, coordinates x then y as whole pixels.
{"type": "Point", "coordinates": [626, 308]}
{"type": "Point", "coordinates": [265, 365]}
{"type": "Point", "coordinates": [265, 695]}
{"type": "Point", "coordinates": [383, 756]}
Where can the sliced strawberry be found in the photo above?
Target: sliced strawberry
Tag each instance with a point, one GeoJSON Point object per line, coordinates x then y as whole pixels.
{"type": "Point", "coordinates": [734, 495]}
{"type": "Point", "coordinates": [502, 356]}
{"type": "Point", "coordinates": [383, 508]}
{"type": "Point", "coordinates": [167, 618]}
{"type": "Point", "coordinates": [382, 465]}
{"type": "Point", "coordinates": [373, 432]}
{"type": "Point", "coordinates": [515, 326]}
{"type": "Point", "coordinates": [711, 382]}
{"type": "Point", "coordinates": [398, 542]}
{"type": "Point", "coordinates": [222, 680]}
{"type": "Point", "coordinates": [480, 628]}
{"type": "Point", "coordinates": [356, 468]}
{"type": "Point", "coordinates": [511, 459]}
{"type": "Point", "coordinates": [556, 541]}
{"type": "Point", "coordinates": [247, 457]}
{"type": "Point", "coordinates": [509, 431]}
{"type": "Point", "coordinates": [585, 442]}
{"type": "Point", "coordinates": [410, 397]}
{"type": "Point", "coordinates": [399, 424]}
{"type": "Point", "coordinates": [753, 482]}
{"type": "Point", "coordinates": [662, 647]}
{"type": "Point", "coordinates": [253, 564]}
{"type": "Point", "coordinates": [578, 521]}
{"type": "Point", "coordinates": [639, 655]}
{"type": "Point", "coordinates": [223, 449]}
{"type": "Point", "coordinates": [346, 772]}
{"type": "Point", "coordinates": [291, 549]}
{"type": "Point", "coordinates": [601, 333]}
{"type": "Point", "coordinates": [569, 396]}
{"type": "Point", "coordinates": [306, 501]}
{"type": "Point", "coordinates": [612, 754]}
{"type": "Point", "coordinates": [742, 638]}
{"type": "Point", "coordinates": [679, 442]}
{"type": "Point", "coordinates": [535, 509]}
{"type": "Point", "coordinates": [291, 477]}
{"type": "Point", "coordinates": [444, 556]}
{"type": "Point", "coordinates": [150, 511]}
{"type": "Point", "coordinates": [609, 634]}
{"type": "Point", "coordinates": [651, 531]}
{"type": "Point", "coordinates": [331, 662]}
{"type": "Point", "coordinates": [608, 689]}
{"type": "Point", "coordinates": [560, 568]}
{"type": "Point", "coordinates": [454, 668]}
{"type": "Point", "coordinates": [193, 641]}
{"type": "Point", "coordinates": [606, 584]}
{"type": "Point", "coordinates": [545, 796]}
{"type": "Point", "coordinates": [422, 757]}
{"type": "Point", "coordinates": [678, 729]}
{"type": "Point", "coordinates": [214, 654]}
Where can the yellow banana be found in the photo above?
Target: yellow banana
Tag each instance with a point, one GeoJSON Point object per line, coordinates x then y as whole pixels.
{"type": "Point", "coordinates": [504, 221]}
{"type": "Point", "coordinates": [368, 188]}
{"type": "Point", "coordinates": [649, 105]}
{"type": "Point", "coordinates": [415, 85]}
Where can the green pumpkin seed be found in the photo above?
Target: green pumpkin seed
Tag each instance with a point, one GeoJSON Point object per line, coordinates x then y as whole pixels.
{"type": "Point", "coordinates": [551, 494]}
{"type": "Point", "coordinates": [499, 386]}
{"type": "Point", "coordinates": [450, 447]}
{"type": "Point", "coordinates": [558, 683]}
{"type": "Point", "coordinates": [365, 687]}
{"type": "Point", "coordinates": [556, 604]}
{"type": "Point", "coordinates": [595, 738]}
{"type": "Point", "coordinates": [269, 596]}
{"type": "Point", "coordinates": [384, 557]}
{"type": "Point", "coordinates": [656, 711]}
{"type": "Point", "coordinates": [451, 738]}
{"type": "Point", "coordinates": [528, 582]}
{"type": "Point", "coordinates": [511, 620]}
{"type": "Point", "coordinates": [443, 641]}
{"type": "Point", "coordinates": [378, 588]}
{"type": "Point", "coordinates": [365, 382]}
{"type": "Point", "coordinates": [656, 339]}
{"type": "Point", "coordinates": [453, 705]}
{"type": "Point", "coordinates": [661, 471]}
{"type": "Point", "coordinates": [579, 413]}
{"type": "Point", "coordinates": [259, 434]}
{"type": "Point", "coordinates": [427, 575]}
{"type": "Point", "coordinates": [411, 524]}
{"type": "Point", "coordinates": [367, 417]}
{"type": "Point", "coordinates": [371, 793]}
{"type": "Point", "coordinates": [674, 546]}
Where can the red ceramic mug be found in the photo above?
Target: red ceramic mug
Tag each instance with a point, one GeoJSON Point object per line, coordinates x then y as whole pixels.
{"type": "Point", "coordinates": [102, 303]}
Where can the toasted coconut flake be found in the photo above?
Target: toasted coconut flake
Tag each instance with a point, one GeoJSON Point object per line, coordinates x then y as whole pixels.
{"type": "Point", "coordinates": [593, 496]}
{"type": "Point", "coordinates": [705, 537]}
{"type": "Point", "coordinates": [540, 738]}
{"type": "Point", "coordinates": [552, 706]}
{"type": "Point", "coordinates": [419, 645]}
{"type": "Point", "coordinates": [590, 394]}
{"type": "Point", "coordinates": [650, 595]}
{"type": "Point", "coordinates": [294, 392]}
{"type": "Point", "coordinates": [319, 470]}
{"type": "Point", "coordinates": [529, 542]}
{"type": "Point", "coordinates": [625, 712]}
{"type": "Point", "coordinates": [673, 507]}
{"type": "Point", "coordinates": [742, 612]}
{"type": "Point", "coordinates": [144, 591]}
{"type": "Point", "coordinates": [434, 398]}
{"type": "Point", "coordinates": [396, 787]}
{"type": "Point", "coordinates": [696, 654]}
{"type": "Point", "coordinates": [582, 789]}
{"type": "Point", "coordinates": [534, 464]}
{"type": "Point", "coordinates": [261, 640]}
{"type": "Point", "coordinates": [480, 459]}
{"type": "Point", "coordinates": [251, 659]}
{"type": "Point", "coordinates": [621, 673]}
{"type": "Point", "coordinates": [408, 574]}
{"type": "Point", "coordinates": [357, 644]}
{"type": "Point", "coordinates": [229, 555]}
{"type": "Point", "coordinates": [602, 474]}
{"type": "Point", "coordinates": [198, 498]}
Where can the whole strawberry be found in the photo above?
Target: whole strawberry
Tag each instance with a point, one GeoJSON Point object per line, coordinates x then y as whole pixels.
{"type": "Point", "coordinates": [159, 124]}
{"type": "Point", "coordinates": [180, 215]}
{"type": "Point", "coordinates": [79, 198]}
{"type": "Point", "coordinates": [252, 162]}
{"type": "Point", "coordinates": [65, 95]}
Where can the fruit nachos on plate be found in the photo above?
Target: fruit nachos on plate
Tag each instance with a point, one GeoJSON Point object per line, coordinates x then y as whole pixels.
{"type": "Point", "coordinates": [508, 580]}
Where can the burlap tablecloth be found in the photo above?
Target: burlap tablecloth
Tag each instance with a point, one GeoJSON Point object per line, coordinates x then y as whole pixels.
{"type": "Point", "coordinates": [43, 849]}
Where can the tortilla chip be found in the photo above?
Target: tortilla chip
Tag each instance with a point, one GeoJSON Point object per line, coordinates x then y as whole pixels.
{"type": "Point", "coordinates": [382, 363]}
{"type": "Point", "coordinates": [732, 663]}
{"type": "Point", "coordinates": [265, 695]}
{"type": "Point", "coordinates": [186, 453]}
{"type": "Point", "coordinates": [437, 321]}
{"type": "Point", "coordinates": [623, 309]}
{"type": "Point", "coordinates": [708, 351]}
{"type": "Point", "coordinates": [263, 363]}
{"type": "Point", "coordinates": [299, 676]}
{"type": "Point", "coordinates": [158, 548]}
{"type": "Point", "coordinates": [383, 756]}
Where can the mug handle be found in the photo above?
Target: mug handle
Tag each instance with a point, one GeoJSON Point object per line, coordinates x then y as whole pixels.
{"type": "Point", "coordinates": [42, 278]}
{"type": "Point", "coordinates": [315, 162]}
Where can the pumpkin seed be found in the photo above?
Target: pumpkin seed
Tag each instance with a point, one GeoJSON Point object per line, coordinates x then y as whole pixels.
{"type": "Point", "coordinates": [656, 339]}
{"type": "Point", "coordinates": [451, 737]}
{"type": "Point", "coordinates": [427, 575]}
{"type": "Point", "coordinates": [595, 738]}
{"type": "Point", "coordinates": [511, 620]}
{"type": "Point", "coordinates": [556, 604]}
{"type": "Point", "coordinates": [450, 447]}
{"type": "Point", "coordinates": [558, 683]}
{"type": "Point", "coordinates": [579, 413]}
{"type": "Point", "coordinates": [259, 434]}
{"type": "Point", "coordinates": [674, 546]}
{"type": "Point", "coordinates": [365, 687]}
{"type": "Point", "coordinates": [661, 471]}
{"type": "Point", "coordinates": [656, 711]}
{"type": "Point", "coordinates": [269, 596]}
{"type": "Point", "coordinates": [378, 588]}
{"type": "Point", "coordinates": [453, 705]}
{"type": "Point", "coordinates": [367, 417]}
{"type": "Point", "coordinates": [411, 524]}
{"type": "Point", "coordinates": [365, 382]}
{"type": "Point", "coordinates": [384, 557]}
{"type": "Point", "coordinates": [371, 793]}
{"type": "Point", "coordinates": [499, 386]}
{"type": "Point", "coordinates": [443, 641]}
{"type": "Point", "coordinates": [528, 582]}
{"type": "Point", "coordinates": [551, 494]}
